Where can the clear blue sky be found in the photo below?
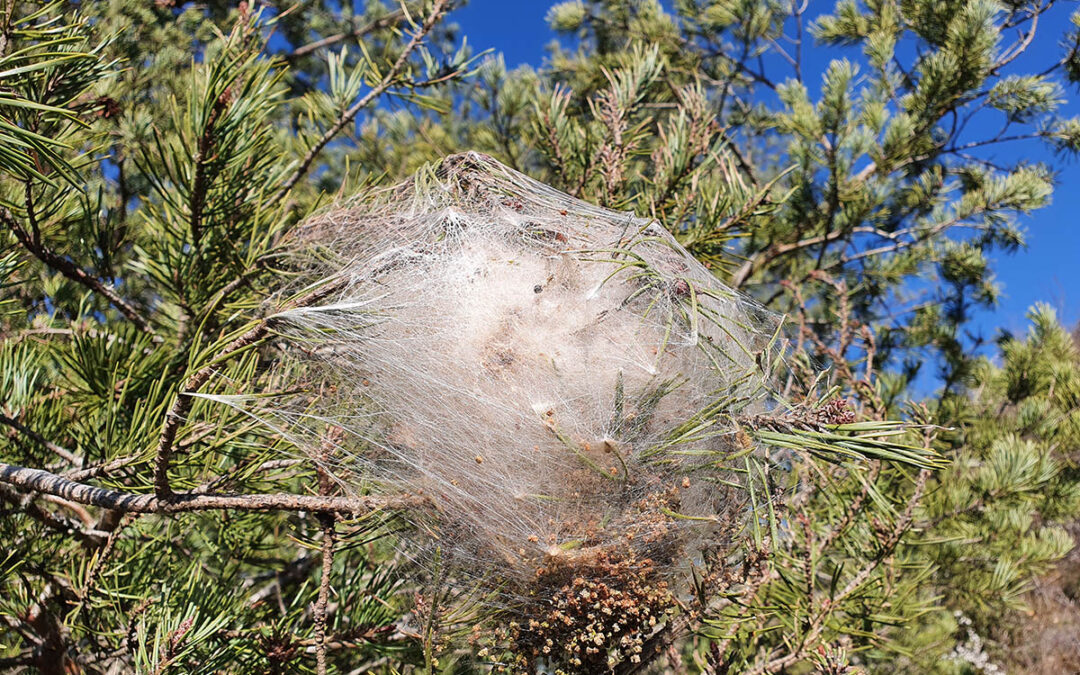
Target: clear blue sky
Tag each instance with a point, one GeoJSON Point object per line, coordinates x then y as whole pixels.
{"type": "Point", "coordinates": [1048, 269]}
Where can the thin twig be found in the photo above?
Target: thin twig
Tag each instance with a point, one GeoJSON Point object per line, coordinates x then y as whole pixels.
{"type": "Point", "coordinates": [770, 254]}
{"type": "Point", "coordinates": [72, 271]}
{"type": "Point", "coordinates": [182, 405]}
{"type": "Point", "coordinates": [102, 468]}
{"type": "Point", "coordinates": [1020, 47]}
{"type": "Point", "coordinates": [92, 574]}
{"type": "Point", "coordinates": [64, 453]}
{"type": "Point", "coordinates": [378, 24]}
{"type": "Point", "coordinates": [57, 522]}
{"type": "Point", "coordinates": [385, 83]}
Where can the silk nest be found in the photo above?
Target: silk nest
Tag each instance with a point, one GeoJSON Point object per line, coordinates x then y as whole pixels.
{"type": "Point", "coordinates": [558, 385]}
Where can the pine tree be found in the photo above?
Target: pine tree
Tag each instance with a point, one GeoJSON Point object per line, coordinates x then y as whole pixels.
{"type": "Point", "coordinates": [1003, 512]}
{"type": "Point", "coordinates": [155, 160]}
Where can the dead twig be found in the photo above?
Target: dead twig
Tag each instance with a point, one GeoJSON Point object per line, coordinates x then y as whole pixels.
{"type": "Point", "coordinates": [62, 452]}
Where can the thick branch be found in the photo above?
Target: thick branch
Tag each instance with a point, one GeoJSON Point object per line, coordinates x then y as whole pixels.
{"type": "Point", "coordinates": [126, 502]}
{"type": "Point", "coordinates": [327, 522]}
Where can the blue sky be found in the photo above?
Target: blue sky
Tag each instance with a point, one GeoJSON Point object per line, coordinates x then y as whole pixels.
{"type": "Point", "coordinates": [1047, 270]}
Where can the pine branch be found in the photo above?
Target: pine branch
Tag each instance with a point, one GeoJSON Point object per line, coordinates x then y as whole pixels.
{"type": "Point", "coordinates": [327, 522]}
{"type": "Point", "coordinates": [772, 253]}
{"type": "Point", "coordinates": [1021, 46]}
{"type": "Point", "coordinates": [127, 502]}
{"type": "Point", "coordinates": [72, 271]}
{"type": "Point", "coordinates": [182, 405]}
{"type": "Point", "coordinates": [200, 184]}
{"type": "Point", "coordinates": [817, 626]}
{"type": "Point", "coordinates": [65, 454]}
{"type": "Point", "coordinates": [349, 115]}
{"type": "Point", "coordinates": [355, 34]}
{"type": "Point", "coordinates": [57, 522]}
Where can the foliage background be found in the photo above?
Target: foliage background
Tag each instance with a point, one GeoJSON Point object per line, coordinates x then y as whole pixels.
{"type": "Point", "coordinates": [155, 157]}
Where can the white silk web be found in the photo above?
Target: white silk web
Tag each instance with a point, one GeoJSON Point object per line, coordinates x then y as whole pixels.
{"type": "Point", "coordinates": [562, 382]}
